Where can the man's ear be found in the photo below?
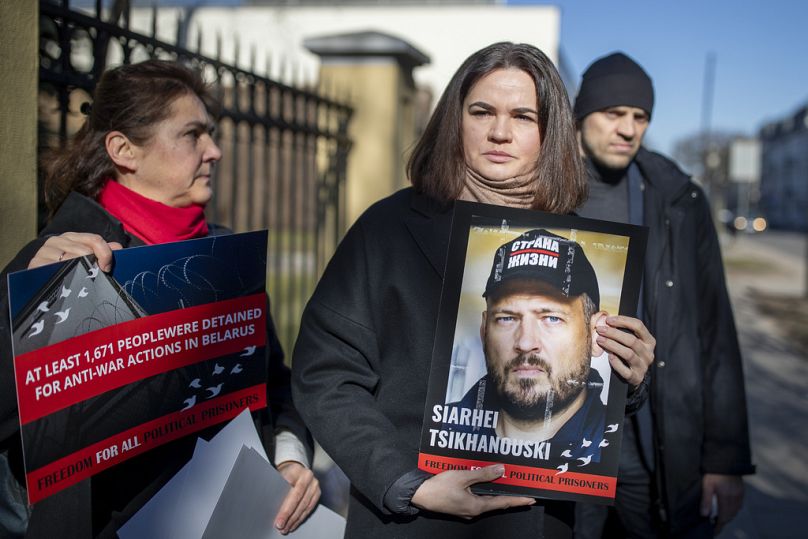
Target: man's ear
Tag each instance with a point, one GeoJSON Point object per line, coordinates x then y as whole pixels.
{"type": "Point", "coordinates": [121, 150]}
{"type": "Point", "coordinates": [482, 326]}
{"type": "Point", "coordinates": [598, 319]}
{"type": "Point", "coordinates": [578, 136]}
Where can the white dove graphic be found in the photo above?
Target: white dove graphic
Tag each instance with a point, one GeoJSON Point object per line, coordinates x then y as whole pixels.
{"type": "Point", "coordinates": [83, 292]}
{"type": "Point", "coordinates": [237, 369]}
{"type": "Point", "coordinates": [248, 351]}
{"type": "Point", "coordinates": [603, 443]}
{"type": "Point", "coordinates": [65, 292]}
{"type": "Point", "coordinates": [43, 307]}
{"type": "Point", "coordinates": [217, 369]}
{"type": "Point", "coordinates": [562, 469]}
{"type": "Point", "coordinates": [195, 383]}
{"type": "Point", "coordinates": [62, 315]}
{"type": "Point", "coordinates": [586, 443]}
{"type": "Point", "coordinates": [567, 453]}
{"type": "Point", "coordinates": [189, 403]}
{"type": "Point", "coordinates": [585, 460]}
{"type": "Point", "coordinates": [215, 390]}
{"type": "Point", "coordinates": [93, 273]}
{"type": "Point", "coordinates": [611, 428]}
{"type": "Point", "coordinates": [37, 328]}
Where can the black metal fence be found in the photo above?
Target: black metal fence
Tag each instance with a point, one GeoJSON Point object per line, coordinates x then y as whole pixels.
{"type": "Point", "coordinates": [285, 148]}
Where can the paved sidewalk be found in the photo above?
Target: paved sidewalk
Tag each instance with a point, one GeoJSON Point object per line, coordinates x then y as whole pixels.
{"type": "Point", "coordinates": [766, 276]}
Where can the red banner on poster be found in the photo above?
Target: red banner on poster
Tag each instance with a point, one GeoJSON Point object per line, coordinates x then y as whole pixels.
{"type": "Point", "coordinates": [528, 476]}
{"type": "Point", "coordinates": [57, 376]}
{"type": "Point", "coordinates": [97, 457]}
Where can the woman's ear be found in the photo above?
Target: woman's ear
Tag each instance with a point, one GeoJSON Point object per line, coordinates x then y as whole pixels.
{"type": "Point", "coordinates": [121, 150]}
{"type": "Point", "coordinates": [598, 319]}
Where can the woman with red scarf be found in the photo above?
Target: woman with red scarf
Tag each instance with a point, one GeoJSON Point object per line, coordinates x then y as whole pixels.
{"type": "Point", "coordinates": [138, 173]}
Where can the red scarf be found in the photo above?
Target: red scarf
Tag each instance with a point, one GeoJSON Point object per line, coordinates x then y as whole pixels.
{"type": "Point", "coordinates": [152, 221]}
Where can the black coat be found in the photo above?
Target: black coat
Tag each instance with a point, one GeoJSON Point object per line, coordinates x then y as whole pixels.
{"type": "Point", "coordinates": [361, 367]}
{"type": "Point", "coordinates": [128, 485]}
{"type": "Point", "coordinates": [697, 391]}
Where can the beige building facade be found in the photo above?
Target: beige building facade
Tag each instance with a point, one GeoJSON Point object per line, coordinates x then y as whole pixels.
{"type": "Point", "coordinates": [19, 23]}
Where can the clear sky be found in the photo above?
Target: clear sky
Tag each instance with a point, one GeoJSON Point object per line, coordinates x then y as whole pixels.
{"type": "Point", "coordinates": [761, 50]}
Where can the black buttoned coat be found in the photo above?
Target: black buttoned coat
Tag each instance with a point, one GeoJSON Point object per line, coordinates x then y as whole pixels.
{"type": "Point", "coordinates": [697, 393]}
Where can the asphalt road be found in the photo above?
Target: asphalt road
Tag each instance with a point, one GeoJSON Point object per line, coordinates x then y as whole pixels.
{"type": "Point", "coordinates": [767, 283]}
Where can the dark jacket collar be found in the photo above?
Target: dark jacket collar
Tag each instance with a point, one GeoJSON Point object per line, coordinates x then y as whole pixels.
{"type": "Point", "coordinates": [430, 223]}
{"type": "Point", "coordinates": [662, 174]}
{"type": "Point", "coordinates": [79, 213]}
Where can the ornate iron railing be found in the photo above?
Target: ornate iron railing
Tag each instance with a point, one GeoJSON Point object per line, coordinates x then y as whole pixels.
{"type": "Point", "coordinates": [285, 148]}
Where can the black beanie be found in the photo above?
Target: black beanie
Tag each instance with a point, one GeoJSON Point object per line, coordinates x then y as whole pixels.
{"type": "Point", "coordinates": [613, 81]}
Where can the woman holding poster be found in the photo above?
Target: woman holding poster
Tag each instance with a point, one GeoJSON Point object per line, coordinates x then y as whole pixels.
{"type": "Point", "coordinates": [503, 134]}
{"type": "Point", "coordinates": [138, 172]}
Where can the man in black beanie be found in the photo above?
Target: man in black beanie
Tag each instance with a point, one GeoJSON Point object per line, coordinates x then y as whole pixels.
{"type": "Point", "coordinates": [685, 451]}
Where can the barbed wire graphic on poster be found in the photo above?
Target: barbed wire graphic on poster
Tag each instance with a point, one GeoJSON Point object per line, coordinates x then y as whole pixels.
{"type": "Point", "coordinates": [110, 365]}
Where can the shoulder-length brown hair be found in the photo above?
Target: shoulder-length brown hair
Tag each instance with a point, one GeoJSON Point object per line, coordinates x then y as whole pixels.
{"type": "Point", "coordinates": [437, 164]}
{"type": "Point", "coordinates": [131, 99]}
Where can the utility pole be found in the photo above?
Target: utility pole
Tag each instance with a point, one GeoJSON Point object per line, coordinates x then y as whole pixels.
{"type": "Point", "coordinates": [707, 94]}
{"type": "Point", "coordinates": [711, 159]}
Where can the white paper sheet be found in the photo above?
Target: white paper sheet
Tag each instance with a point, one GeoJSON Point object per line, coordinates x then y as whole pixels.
{"type": "Point", "coordinates": [228, 489]}
{"type": "Point", "coordinates": [181, 509]}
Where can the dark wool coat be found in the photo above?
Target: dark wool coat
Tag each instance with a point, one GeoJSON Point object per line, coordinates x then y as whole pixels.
{"type": "Point", "coordinates": [118, 492]}
{"type": "Point", "coordinates": [697, 389]}
{"type": "Point", "coordinates": [361, 366]}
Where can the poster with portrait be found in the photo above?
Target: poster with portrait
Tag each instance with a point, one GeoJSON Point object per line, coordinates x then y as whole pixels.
{"type": "Point", "coordinates": [517, 374]}
{"type": "Point", "coordinates": [110, 365]}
